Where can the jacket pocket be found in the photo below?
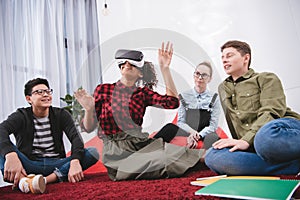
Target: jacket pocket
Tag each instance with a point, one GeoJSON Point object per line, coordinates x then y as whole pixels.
{"type": "Point", "coordinates": [248, 100]}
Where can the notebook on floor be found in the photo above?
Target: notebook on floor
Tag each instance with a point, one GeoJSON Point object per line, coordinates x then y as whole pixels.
{"type": "Point", "coordinates": [204, 181]}
{"type": "Point", "coordinates": [251, 189]}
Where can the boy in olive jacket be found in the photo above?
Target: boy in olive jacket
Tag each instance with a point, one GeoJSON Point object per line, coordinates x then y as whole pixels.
{"type": "Point", "coordinates": [265, 132]}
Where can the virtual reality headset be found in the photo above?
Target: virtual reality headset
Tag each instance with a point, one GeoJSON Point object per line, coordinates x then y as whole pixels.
{"type": "Point", "coordinates": [135, 58]}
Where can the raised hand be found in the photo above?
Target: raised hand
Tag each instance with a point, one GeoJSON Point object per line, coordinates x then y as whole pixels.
{"type": "Point", "coordinates": [164, 58]}
{"type": "Point", "coordinates": [88, 103]}
{"type": "Point", "coordinates": [165, 55]}
{"type": "Point", "coordinates": [85, 99]}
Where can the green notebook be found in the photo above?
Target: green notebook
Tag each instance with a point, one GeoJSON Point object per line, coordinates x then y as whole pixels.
{"type": "Point", "coordinates": [251, 188]}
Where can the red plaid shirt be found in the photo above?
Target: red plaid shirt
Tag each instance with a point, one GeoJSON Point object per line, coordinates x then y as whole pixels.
{"type": "Point", "coordinates": [120, 108]}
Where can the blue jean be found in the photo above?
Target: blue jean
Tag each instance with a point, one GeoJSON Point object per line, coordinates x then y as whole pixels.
{"type": "Point", "coordinates": [277, 152]}
{"type": "Point", "coordinates": [60, 166]}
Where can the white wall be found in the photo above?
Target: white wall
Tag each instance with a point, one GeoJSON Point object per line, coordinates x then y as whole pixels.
{"type": "Point", "coordinates": [198, 28]}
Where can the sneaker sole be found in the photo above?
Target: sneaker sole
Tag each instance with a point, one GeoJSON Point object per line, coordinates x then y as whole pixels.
{"type": "Point", "coordinates": [38, 184]}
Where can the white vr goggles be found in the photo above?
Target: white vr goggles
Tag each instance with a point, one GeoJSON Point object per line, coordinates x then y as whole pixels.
{"type": "Point", "coordinates": [135, 58]}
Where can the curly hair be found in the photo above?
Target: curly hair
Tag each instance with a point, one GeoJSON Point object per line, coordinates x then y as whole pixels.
{"type": "Point", "coordinates": [149, 76]}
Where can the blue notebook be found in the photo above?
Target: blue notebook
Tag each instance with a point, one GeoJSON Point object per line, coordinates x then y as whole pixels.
{"type": "Point", "coordinates": [251, 188]}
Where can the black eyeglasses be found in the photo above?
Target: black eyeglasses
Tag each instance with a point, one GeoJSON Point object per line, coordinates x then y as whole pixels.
{"type": "Point", "coordinates": [203, 76]}
{"type": "Point", "coordinates": [42, 92]}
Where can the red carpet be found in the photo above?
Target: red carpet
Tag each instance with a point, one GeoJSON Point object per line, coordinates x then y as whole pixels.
{"type": "Point", "coordinates": [99, 186]}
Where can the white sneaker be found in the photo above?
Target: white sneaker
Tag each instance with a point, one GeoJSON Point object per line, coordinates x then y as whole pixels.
{"type": "Point", "coordinates": [33, 183]}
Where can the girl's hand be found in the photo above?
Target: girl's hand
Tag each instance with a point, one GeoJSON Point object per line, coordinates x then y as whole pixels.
{"type": "Point", "coordinates": [165, 55]}
{"type": "Point", "coordinates": [191, 142]}
{"type": "Point", "coordinates": [85, 100]}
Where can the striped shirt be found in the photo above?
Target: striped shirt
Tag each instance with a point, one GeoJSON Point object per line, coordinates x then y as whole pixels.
{"type": "Point", "coordinates": [43, 145]}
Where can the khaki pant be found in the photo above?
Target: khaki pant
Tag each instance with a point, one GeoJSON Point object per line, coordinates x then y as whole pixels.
{"type": "Point", "coordinates": [132, 155]}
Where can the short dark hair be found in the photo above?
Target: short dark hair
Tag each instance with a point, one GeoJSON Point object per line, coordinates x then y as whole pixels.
{"type": "Point", "coordinates": [242, 47]}
{"type": "Point", "coordinates": [30, 84]}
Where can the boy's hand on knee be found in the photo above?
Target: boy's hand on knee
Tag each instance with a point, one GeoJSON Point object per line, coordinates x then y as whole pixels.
{"type": "Point", "coordinates": [240, 145]}
{"type": "Point", "coordinates": [13, 169]}
{"type": "Point", "coordinates": [233, 143]}
{"type": "Point", "coordinates": [75, 171]}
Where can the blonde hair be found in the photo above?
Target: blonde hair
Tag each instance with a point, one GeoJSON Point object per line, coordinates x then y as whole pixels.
{"type": "Point", "coordinates": [207, 64]}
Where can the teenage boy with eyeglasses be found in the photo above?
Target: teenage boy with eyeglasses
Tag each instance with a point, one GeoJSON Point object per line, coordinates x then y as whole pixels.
{"type": "Point", "coordinates": [39, 149]}
{"type": "Point", "coordinates": [265, 131]}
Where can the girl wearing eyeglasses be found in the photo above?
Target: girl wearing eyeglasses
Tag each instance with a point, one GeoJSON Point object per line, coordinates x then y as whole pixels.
{"type": "Point", "coordinates": [198, 113]}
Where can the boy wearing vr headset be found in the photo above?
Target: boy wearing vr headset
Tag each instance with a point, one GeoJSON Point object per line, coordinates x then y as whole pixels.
{"type": "Point", "coordinates": [129, 153]}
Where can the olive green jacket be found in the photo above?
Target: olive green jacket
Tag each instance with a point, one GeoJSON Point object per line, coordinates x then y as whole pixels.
{"type": "Point", "coordinates": [251, 101]}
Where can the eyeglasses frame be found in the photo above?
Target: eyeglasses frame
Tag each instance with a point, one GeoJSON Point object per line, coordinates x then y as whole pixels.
{"type": "Point", "coordinates": [203, 76]}
{"type": "Point", "coordinates": [42, 92]}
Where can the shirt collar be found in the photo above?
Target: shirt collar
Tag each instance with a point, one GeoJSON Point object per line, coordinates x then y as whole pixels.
{"type": "Point", "coordinates": [244, 77]}
{"type": "Point", "coordinates": [120, 85]}
{"type": "Point", "coordinates": [199, 94]}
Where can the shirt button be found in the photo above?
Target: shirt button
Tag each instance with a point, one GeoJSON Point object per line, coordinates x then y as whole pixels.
{"type": "Point", "coordinates": [233, 95]}
{"type": "Point", "coordinates": [247, 124]}
{"type": "Point", "coordinates": [248, 94]}
{"type": "Point", "coordinates": [238, 113]}
{"type": "Point", "coordinates": [235, 108]}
